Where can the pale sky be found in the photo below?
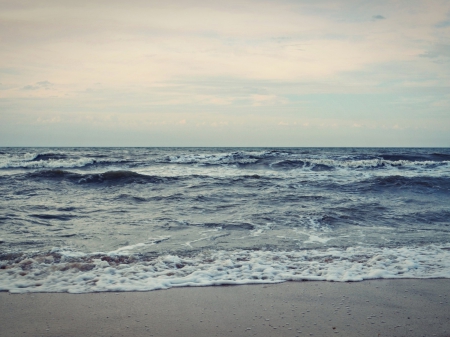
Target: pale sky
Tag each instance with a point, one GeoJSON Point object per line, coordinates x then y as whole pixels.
{"type": "Point", "coordinates": [224, 73]}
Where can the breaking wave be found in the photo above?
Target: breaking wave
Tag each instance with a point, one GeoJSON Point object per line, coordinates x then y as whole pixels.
{"type": "Point", "coordinates": [51, 160]}
{"type": "Point", "coordinates": [74, 272]}
{"type": "Point", "coordinates": [283, 160]}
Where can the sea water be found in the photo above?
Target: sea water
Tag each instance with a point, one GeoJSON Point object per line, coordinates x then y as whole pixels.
{"type": "Point", "coordinates": [125, 219]}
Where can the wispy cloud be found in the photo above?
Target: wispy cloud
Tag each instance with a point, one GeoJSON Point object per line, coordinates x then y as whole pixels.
{"type": "Point", "coordinates": [438, 50]}
{"type": "Point", "coordinates": [38, 86]}
{"type": "Point", "coordinates": [443, 24]}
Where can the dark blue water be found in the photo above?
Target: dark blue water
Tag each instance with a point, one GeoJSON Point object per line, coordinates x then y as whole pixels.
{"type": "Point", "coordinates": [292, 213]}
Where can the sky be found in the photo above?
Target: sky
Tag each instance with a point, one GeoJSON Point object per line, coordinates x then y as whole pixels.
{"type": "Point", "coordinates": [225, 73]}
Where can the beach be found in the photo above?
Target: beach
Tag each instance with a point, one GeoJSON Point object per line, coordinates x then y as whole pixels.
{"type": "Point", "coordinates": [408, 307]}
{"type": "Point", "coordinates": [224, 242]}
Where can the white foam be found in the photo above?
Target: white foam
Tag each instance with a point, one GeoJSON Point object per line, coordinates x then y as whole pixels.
{"type": "Point", "coordinates": [27, 161]}
{"type": "Point", "coordinates": [249, 157]}
{"type": "Point", "coordinates": [59, 163]}
{"type": "Point", "coordinates": [84, 273]}
{"type": "Point", "coordinates": [211, 159]}
{"type": "Point", "coordinates": [317, 238]}
{"type": "Point", "coordinates": [365, 163]}
{"type": "Point", "coordinates": [239, 157]}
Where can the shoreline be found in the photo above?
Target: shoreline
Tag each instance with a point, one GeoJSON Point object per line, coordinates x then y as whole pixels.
{"type": "Point", "coordinates": [398, 307]}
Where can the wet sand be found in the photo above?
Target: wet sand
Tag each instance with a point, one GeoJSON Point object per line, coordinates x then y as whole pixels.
{"type": "Point", "coordinates": [369, 308]}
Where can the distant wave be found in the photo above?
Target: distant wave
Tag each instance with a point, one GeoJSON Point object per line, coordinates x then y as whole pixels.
{"type": "Point", "coordinates": [330, 164]}
{"type": "Point", "coordinates": [400, 179]}
{"type": "Point", "coordinates": [283, 160]}
{"type": "Point", "coordinates": [435, 156]}
{"type": "Point", "coordinates": [52, 160]}
{"type": "Point", "coordinates": [113, 177]}
{"type": "Point", "coordinates": [128, 177]}
{"type": "Point", "coordinates": [314, 165]}
{"type": "Point", "coordinates": [49, 156]}
{"type": "Point", "coordinates": [238, 157]}
{"type": "Point", "coordinates": [272, 160]}
{"type": "Point", "coordinates": [397, 181]}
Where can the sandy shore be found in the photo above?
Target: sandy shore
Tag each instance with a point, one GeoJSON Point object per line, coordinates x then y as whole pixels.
{"type": "Point", "coordinates": [370, 308]}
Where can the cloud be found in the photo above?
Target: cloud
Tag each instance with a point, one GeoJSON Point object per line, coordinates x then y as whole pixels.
{"type": "Point", "coordinates": [38, 85]}
{"type": "Point", "coordinates": [439, 50]}
{"type": "Point", "coordinates": [9, 71]}
{"type": "Point", "coordinates": [282, 61]}
{"type": "Point", "coordinates": [30, 87]}
{"type": "Point", "coordinates": [378, 17]}
{"type": "Point", "coordinates": [443, 24]}
{"type": "Point", "coordinates": [4, 87]}
{"type": "Point", "coordinates": [44, 84]}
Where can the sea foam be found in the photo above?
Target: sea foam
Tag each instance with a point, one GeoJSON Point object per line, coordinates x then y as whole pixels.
{"type": "Point", "coordinates": [75, 272]}
{"type": "Point", "coordinates": [48, 160]}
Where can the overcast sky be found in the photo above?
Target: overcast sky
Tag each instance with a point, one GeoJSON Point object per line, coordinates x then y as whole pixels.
{"type": "Point", "coordinates": [225, 73]}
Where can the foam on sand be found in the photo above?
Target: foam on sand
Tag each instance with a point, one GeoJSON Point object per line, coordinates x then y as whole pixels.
{"type": "Point", "coordinates": [76, 272]}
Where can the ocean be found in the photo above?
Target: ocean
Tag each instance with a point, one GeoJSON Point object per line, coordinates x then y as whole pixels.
{"type": "Point", "coordinates": [83, 220]}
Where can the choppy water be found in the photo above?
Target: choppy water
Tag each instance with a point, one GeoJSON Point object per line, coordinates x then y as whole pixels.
{"type": "Point", "coordinates": [110, 219]}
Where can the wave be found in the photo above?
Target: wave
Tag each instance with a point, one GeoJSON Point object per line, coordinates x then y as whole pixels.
{"type": "Point", "coordinates": [69, 271]}
{"type": "Point", "coordinates": [304, 164]}
{"type": "Point", "coordinates": [331, 164]}
{"type": "Point", "coordinates": [268, 159]}
{"type": "Point", "coordinates": [53, 160]}
{"type": "Point", "coordinates": [435, 156]}
{"type": "Point", "coordinates": [397, 181]}
{"type": "Point", "coordinates": [284, 160]}
{"type": "Point", "coordinates": [49, 156]}
{"type": "Point", "coordinates": [111, 177]}
{"type": "Point", "coordinates": [126, 177]}
{"type": "Point", "coordinates": [238, 157]}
